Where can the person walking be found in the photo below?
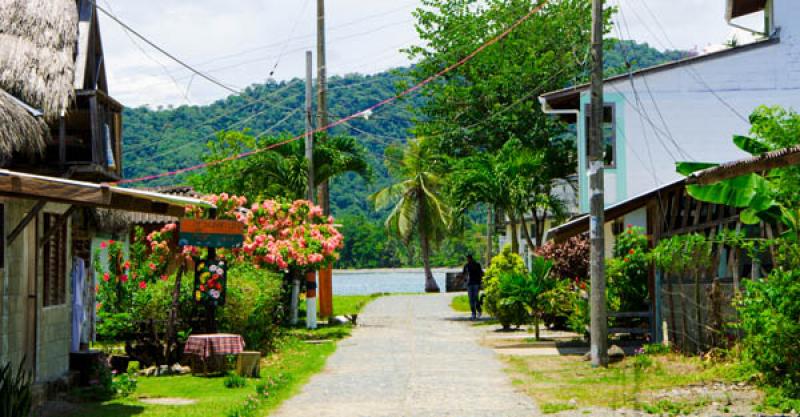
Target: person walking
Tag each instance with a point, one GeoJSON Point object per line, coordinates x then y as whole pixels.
{"type": "Point", "coordinates": [474, 276]}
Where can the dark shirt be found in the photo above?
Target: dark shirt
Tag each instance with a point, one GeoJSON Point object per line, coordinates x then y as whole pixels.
{"type": "Point", "coordinates": [473, 273]}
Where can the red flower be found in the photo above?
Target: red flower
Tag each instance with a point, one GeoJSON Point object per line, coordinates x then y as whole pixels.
{"type": "Point", "coordinates": [142, 284]}
{"type": "Point", "coordinates": [202, 287]}
{"type": "Point", "coordinates": [103, 245]}
{"type": "Point", "coordinates": [127, 265]}
{"type": "Point", "coordinates": [631, 252]}
{"type": "Point", "coordinates": [106, 277]}
{"type": "Point", "coordinates": [625, 260]}
{"type": "Point", "coordinates": [152, 266]}
{"type": "Point", "coordinates": [123, 278]}
{"type": "Point", "coordinates": [164, 277]}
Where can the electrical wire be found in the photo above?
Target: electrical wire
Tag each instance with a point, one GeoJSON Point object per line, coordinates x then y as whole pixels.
{"type": "Point", "coordinates": [377, 105]}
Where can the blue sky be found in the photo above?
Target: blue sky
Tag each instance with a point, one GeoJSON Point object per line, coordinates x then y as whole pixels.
{"type": "Point", "coordinates": [241, 41]}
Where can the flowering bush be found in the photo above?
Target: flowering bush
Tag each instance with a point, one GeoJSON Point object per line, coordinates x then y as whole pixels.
{"type": "Point", "coordinates": [283, 236]}
{"type": "Point", "coordinates": [123, 280]}
{"type": "Point", "coordinates": [570, 259]}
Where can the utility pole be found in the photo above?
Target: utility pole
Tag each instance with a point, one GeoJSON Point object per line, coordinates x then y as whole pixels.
{"type": "Point", "coordinates": [599, 319]}
{"type": "Point", "coordinates": [311, 277]}
{"type": "Point", "coordinates": [322, 98]}
{"type": "Point", "coordinates": [309, 128]}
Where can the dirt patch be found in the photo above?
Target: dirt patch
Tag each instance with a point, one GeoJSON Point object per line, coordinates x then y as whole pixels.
{"type": "Point", "coordinates": [168, 401]}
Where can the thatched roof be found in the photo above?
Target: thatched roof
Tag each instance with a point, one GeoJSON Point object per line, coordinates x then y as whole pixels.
{"type": "Point", "coordinates": [37, 52]}
{"type": "Point", "coordinates": [19, 129]}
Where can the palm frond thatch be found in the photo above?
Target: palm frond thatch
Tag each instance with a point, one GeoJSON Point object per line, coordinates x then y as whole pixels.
{"type": "Point", "coordinates": [37, 52]}
{"type": "Point", "coordinates": [20, 131]}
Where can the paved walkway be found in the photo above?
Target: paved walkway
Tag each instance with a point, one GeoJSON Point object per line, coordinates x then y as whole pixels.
{"type": "Point", "coordinates": [410, 356]}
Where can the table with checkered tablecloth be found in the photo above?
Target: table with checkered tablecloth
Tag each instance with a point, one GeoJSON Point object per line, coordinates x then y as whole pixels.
{"type": "Point", "coordinates": [207, 347]}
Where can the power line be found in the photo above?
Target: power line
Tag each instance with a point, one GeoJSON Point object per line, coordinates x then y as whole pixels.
{"type": "Point", "coordinates": [163, 51]}
{"type": "Point", "coordinates": [688, 68]}
{"type": "Point", "coordinates": [379, 104]}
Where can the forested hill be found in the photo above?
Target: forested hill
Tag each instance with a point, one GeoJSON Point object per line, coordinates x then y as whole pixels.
{"type": "Point", "coordinates": [171, 138]}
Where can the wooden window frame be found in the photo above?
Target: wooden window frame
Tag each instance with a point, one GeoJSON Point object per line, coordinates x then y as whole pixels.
{"type": "Point", "coordinates": [54, 292]}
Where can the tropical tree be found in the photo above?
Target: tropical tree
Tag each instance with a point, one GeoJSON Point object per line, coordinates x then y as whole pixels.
{"type": "Point", "coordinates": [418, 206]}
{"type": "Point", "coordinates": [515, 180]}
{"type": "Point", "coordinates": [481, 107]}
{"type": "Point", "coordinates": [277, 167]}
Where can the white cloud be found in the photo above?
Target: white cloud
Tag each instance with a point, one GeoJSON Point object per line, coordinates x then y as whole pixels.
{"type": "Point", "coordinates": [239, 41]}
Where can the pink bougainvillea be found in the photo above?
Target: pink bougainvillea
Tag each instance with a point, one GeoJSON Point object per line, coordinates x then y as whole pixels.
{"type": "Point", "coordinates": [281, 236]}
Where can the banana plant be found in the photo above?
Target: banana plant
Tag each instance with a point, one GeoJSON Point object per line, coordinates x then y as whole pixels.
{"type": "Point", "coordinates": [755, 193]}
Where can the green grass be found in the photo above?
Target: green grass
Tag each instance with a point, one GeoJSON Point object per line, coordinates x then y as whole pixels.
{"type": "Point", "coordinates": [347, 305]}
{"type": "Point", "coordinates": [553, 380]}
{"type": "Point", "coordinates": [293, 364]}
{"type": "Point", "coordinates": [552, 408]}
{"type": "Point", "coordinates": [460, 303]}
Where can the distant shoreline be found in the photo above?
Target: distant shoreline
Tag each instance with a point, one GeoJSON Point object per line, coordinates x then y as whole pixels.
{"type": "Point", "coordinates": [390, 270]}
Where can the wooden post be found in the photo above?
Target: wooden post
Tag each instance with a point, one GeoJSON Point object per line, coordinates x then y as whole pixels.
{"type": "Point", "coordinates": [325, 292]}
{"type": "Point", "coordinates": [599, 318]}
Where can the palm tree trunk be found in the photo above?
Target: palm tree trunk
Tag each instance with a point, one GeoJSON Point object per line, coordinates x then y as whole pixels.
{"type": "Point", "coordinates": [527, 234]}
{"type": "Point", "coordinates": [514, 235]}
{"type": "Point", "coordinates": [430, 283]}
{"type": "Point", "coordinates": [425, 246]}
{"type": "Point", "coordinates": [489, 236]}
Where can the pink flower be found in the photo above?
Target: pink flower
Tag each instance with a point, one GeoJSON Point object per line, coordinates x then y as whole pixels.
{"type": "Point", "coordinates": [103, 245]}
{"type": "Point", "coordinates": [152, 266]}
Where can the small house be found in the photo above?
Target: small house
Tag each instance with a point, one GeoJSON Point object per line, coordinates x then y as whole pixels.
{"type": "Point", "coordinates": [60, 144]}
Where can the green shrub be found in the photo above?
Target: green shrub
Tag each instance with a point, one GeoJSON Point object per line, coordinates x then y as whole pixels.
{"type": "Point", "coordinates": [124, 385]}
{"type": "Point", "coordinates": [15, 391]}
{"type": "Point", "coordinates": [253, 306]}
{"type": "Point", "coordinates": [627, 273]}
{"type": "Point", "coordinates": [770, 319]}
{"type": "Point", "coordinates": [507, 314]}
{"type": "Point", "coordinates": [655, 349]}
{"type": "Point", "coordinates": [233, 380]}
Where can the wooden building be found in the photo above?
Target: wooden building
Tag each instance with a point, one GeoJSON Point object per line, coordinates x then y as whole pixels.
{"type": "Point", "coordinates": [60, 143]}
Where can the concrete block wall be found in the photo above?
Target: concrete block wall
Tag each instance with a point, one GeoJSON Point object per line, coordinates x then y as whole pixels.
{"type": "Point", "coordinates": [55, 333]}
{"type": "Point", "coordinates": [12, 342]}
{"type": "Point", "coordinates": [53, 323]}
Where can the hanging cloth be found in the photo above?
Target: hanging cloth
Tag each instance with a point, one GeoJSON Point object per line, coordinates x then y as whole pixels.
{"type": "Point", "coordinates": [78, 313]}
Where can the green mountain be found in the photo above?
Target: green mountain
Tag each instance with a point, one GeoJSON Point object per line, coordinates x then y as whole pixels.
{"type": "Point", "coordinates": [170, 138]}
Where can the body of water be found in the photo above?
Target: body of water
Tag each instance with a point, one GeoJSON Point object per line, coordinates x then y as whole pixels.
{"type": "Point", "coordinates": [363, 282]}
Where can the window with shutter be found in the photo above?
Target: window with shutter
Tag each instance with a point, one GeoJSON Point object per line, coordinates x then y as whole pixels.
{"type": "Point", "coordinates": [54, 254]}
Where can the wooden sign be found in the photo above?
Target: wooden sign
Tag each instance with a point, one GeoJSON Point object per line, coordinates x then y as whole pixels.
{"type": "Point", "coordinates": [211, 233]}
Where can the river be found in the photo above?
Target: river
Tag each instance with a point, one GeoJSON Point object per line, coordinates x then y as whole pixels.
{"type": "Point", "coordinates": [370, 281]}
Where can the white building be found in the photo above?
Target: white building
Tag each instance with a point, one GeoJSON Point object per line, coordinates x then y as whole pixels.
{"type": "Point", "coordinates": [688, 110]}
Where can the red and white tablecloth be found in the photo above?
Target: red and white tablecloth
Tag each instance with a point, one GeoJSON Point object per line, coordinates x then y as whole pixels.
{"type": "Point", "coordinates": [206, 345]}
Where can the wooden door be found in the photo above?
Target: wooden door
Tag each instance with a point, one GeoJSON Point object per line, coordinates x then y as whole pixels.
{"type": "Point", "coordinates": [31, 307]}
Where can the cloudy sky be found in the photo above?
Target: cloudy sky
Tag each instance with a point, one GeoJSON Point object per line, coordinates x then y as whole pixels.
{"type": "Point", "coordinates": [241, 42]}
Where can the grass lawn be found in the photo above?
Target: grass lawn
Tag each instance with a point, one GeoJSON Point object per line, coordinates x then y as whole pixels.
{"type": "Point", "coordinates": [559, 383]}
{"type": "Point", "coordinates": [292, 366]}
{"type": "Point", "coordinates": [460, 303]}
{"type": "Point", "coordinates": [346, 305]}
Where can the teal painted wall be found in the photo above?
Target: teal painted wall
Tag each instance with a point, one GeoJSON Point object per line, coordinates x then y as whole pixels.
{"type": "Point", "coordinates": [618, 174]}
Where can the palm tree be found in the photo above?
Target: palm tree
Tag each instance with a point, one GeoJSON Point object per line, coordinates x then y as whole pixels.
{"type": "Point", "coordinates": [416, 198]}
{"type": "Point", "coordinates": [277, 171]}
